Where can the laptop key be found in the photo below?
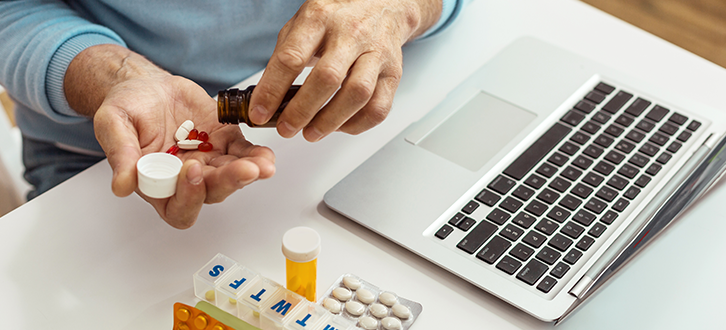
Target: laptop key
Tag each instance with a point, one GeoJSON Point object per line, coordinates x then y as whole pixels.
{"type": "Point", "coordinates": [546, 226]}
{"type": "Point", "coordinates": [635, 136]}
{"type": "Point", "coordinates": [649, 149]}
{"type": "Point", "coordinates": [570, 202]}
{"type": "Point", "coordinates": [614, 157]}
{"type": "Point", "coordinates": [582, 162]}
{"type": "Point", "coordinates": [659, 139]}
{"type": "Point", "coordinates": [487, 197]}
{"type": "Point", "coordinates": [466, 224]}
{"type": "Point", "coordinates": [585, 106]}
{"type": "Point", "coordinates": [657, 113]}
{"type": "Point", "coordinates": [535, 181]}
{"type": "Point", "coordinates": [569, 148]}
{"type": "Point", "coordinates": [642, 181]}
{"type": "Point", "coordinates": [595, 96]}
{"type": "Point", "coordinates": [628, 171]}
{"type": "Point", "coordinates": [601, 117]}
{"type": "Point", "coordinates": [605, 88]}
{"type": "Point", "coordinates": [572, 229]}
{"type": "Point", "coordinates": [684, 136]}
{"type": "Point", "coordinates": [532, 272]}
{"type": "Point", "coordinates": [476, 238]}
{"type": "Point", "coordinates": [534, 239]}
{"type": "Point", "coordinates": [631, 193]}
{"type": "Point", "coordinates": [560, 270]}
{"type": "Point", "coordinates": [444, 232]}
{"type": "Point", "coordinates": [521, 252]}
{"type": "Point", "coordinates": [547, 284]}
{"type": "Point", "coordinates": [668, 129]}
{"type": "Point", "coordinates": [547, 170]}
{"type": "Point", "coordinates": [509, 265]}
{"type": "Point", "coordinates": [663, 158]}
{"type": "Point", "coordinates": [511, 232]}
{"type": "Point", "coordinates": [581, 191]}
{"type": "Point", "coordinates": [559, 184]}
{"type": "Point", "coordinates": [560, 242]}
{"type": "Point", "coordinates": [558, 214]}
{"type": "Point", "coordinates": [625, 147]}
{"type": "Point", "coordinates": [548, 196]}
{"type": "Point", "coordinates": [653, 169]}
{"type": "Point", "coordinates": [583, 217]}
{"type": "Point", "coordinates": [501, 184]}
{"type": "Point", "coordinates": [693, 126]}
{"type": "Point", "coordinates": [548, 255]}
{"type": "Point", "coordinates": [678, 118]}
{"type": "Point", "coordinates": [595, 205]}
{"type": "Point", "coordinates": [625, 120]}
{"type": "Point", "coordinates": [524, 220]}
{"type": "Point", "coordinates": [607, 194]}
{"type": "Point", "coordinates": [456, 219]}
{"type": "Point", "coordinates": [498, 216]}
{"type": "Point", "coordinates": [580, 138]}
{"type": "Point", "coordinates": [523, 193]}
{"type": "Point", "coordinates": [597, 230]}
{"type": "Point", "coordinates": [536, 152]}
{"type": "Point", "coordinates": [510, 204]}
{"type": "Point", "coordinates": [593, 179]}
{"type": "Point", "coordinates": [571, 173]}
{"type": "Point", "coordinates": [573, 117]}
{"type": "Point", "coordinates": [617, 102]}
{"type": "Point", "coordinates": [609, 217]}
{"type": "Point", "coordinates": [645, 125]}
{"type": "Point", "coordinates": [637, 107]}
{"type": "Point", "coordinates": [639, 160]}
{"type": "Point", "coordinates": [572, 257]}
{"type": "Point", "coordinates": [493, 250]}
{"type": "Point", "coordinates": [674, 147]}
{"type": "Point", "coordinates": [604, 168]}
{"type": "Point", "coordinates": [591, 127]}
{"type": "Point", "coordinates": [614, 130]}
{"type": "Point", "coordinates": [618, 182]}
{"type": "Point", "coordinates": [536, 207]}
{"type": "Point", "coordinates": [593, 151]}
{"type": "Point", "coordinates": [470, 207]}
{"type": "Point", "coordinates": [585, 243]}
{"type": "Point", "coordinates": [621, 204]}
{"type": "Point", "coordinates": [558, 159]}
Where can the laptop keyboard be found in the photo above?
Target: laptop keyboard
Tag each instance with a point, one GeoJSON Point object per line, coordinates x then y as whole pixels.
{"type": "Point", "coordinates": [554, 201]}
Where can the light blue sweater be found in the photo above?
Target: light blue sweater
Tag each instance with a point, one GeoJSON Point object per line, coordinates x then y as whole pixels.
{"type": "Point", "coordinates": [214, 43]}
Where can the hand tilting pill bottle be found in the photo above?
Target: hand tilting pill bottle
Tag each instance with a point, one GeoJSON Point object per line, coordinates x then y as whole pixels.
{"type": "Point", "coordinates": [301, 246]}
{"type": "Point", "coordinates": [233, 106]}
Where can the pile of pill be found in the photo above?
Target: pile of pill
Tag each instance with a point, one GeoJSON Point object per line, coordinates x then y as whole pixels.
{"type": "Point", "coordinates": [189, 138]}
{"type": "Point", "coordinates": [368, 306]}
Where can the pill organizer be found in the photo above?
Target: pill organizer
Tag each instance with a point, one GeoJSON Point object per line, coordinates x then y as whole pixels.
{"type": "Point", "coordinates": [369, 307]}
{"type": "Point", "coordinates": [267, 305]}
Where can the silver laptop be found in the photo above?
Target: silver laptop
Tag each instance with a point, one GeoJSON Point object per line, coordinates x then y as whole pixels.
{"type": "Point", "coordinates": [527, 172]}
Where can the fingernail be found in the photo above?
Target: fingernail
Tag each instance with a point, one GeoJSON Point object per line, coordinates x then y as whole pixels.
{"type": "Point", "coordinates": [194, 174]}
{"type": "Point", "coordinates": [286, 129]}
{"type": "Point", "coordinates": [258, 115]}
{"type": "Point", "coordinates": [314, 135]}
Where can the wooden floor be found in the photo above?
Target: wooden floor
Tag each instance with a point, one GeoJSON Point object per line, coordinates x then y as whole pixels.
{"type": "Point", "coordinates": [696, 25]}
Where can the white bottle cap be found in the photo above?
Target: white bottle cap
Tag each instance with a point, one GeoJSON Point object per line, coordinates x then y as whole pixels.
{"type": "Point", "coordinates": [157, 174]}
{"type": "Point", "coordinates": [301, 244]}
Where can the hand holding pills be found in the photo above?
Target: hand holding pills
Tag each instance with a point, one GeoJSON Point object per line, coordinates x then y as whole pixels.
{"type": "Point", "coordinates": [138, 107]}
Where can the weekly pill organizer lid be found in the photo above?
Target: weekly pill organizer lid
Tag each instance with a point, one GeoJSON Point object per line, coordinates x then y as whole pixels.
{"type": "Point", "coordinates": [157, 174]}
{"type": "Point", "coordinates": [301, 244]}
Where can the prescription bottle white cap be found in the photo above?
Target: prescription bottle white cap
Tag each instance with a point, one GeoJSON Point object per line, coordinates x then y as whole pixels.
{"type": "Point", "coordinates": [157, 174]}
{"type": "Point", "coordinates": [301, 244]}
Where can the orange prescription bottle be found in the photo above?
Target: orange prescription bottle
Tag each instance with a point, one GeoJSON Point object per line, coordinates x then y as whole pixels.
{"type": "Point", "coordinates": [301, 246]}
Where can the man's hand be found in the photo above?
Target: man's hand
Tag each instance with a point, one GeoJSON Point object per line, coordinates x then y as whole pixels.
{"type": "Point", "coordinates": [357, 46]}
{"type": "Point", "coordinates": [137, 108]}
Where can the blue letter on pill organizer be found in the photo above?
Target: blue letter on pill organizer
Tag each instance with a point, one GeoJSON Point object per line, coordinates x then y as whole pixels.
{"type": "Point", "coordinates": [236, 283]}
{"type": "Point", "coordinates": [302, 322]}
{"type": "Point", "coordinates": [257, 297]}
{"type": "Point", "coordinates": [216, 270]}
{"type": "Point", "coordinates": [329, 327]}
{"type": "Point", "coordinates": [282, 307]}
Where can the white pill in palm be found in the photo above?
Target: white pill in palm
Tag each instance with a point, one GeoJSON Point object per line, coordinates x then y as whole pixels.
{"type": "Point", "coordinates": [183, 131]}
{"type": "Point", "coordinates": [355, 308]}
{"type": "Point", "coordinates": [331, 305]}
{"type": "Point", "coordinates": [351, 282]}
{"type": "Point", "coordinates": [378, 310]}
{"type": "Point", "coordinates": [401, 311]}
{"type": "Point", "coordinates": [388, 298]}
{"type": "Point", "coordinates": [367, 322]}
{"type": "Point", "coordinates": [391, 323]}
{"type": "Point", "coordinates": [342, 294]}
{"type": "Point", "coordinates": [365, 296]}
{"type": "Point", "coordinates": [188, 144]}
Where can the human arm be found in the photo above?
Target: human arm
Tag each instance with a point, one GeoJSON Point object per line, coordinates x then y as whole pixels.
{"type": "Point", "coordinates": [136, 108]}
{"type": "Point", "coordinates": [356, 47]}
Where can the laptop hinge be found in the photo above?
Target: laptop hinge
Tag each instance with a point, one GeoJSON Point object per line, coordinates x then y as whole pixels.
{"type": "Point", "coordinates": [581, 287]}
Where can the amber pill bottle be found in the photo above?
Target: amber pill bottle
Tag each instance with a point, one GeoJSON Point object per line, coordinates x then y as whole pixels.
{"type": "Point", "coordinates": [233, 106]}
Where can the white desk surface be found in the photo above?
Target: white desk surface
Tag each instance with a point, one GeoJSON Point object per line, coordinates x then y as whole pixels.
{"type": "Point", "coordinates": [79, 257]}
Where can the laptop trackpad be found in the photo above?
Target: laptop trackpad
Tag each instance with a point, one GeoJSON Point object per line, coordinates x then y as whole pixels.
{"type": "Point", "coordinates": [477, 131]}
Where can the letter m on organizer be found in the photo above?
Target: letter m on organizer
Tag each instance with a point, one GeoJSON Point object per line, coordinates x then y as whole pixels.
{"type": "Point", "coordinates": [281, 307]}
{"type": "Point", "coordinates": [329, 327]}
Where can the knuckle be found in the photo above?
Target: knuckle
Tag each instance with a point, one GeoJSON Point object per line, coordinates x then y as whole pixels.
{"type": "Point", "coordinates": [291, 59]}
{"type": "Point", "coordinates": [361, 91]}
{"type": "Point", "coordinates": [329, 75]}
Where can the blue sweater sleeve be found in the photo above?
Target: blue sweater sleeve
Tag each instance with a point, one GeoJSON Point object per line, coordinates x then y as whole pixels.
{"type": "Point", "coordinates": [450, 9]}
{"type": "Point", "coordinates": [39, 39]}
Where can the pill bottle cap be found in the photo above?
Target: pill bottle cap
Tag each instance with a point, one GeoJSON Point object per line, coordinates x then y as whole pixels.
{"type": "Point", "coordinates": [301, 244]}
{"type": "Point", "coordinates": [157, 174]}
